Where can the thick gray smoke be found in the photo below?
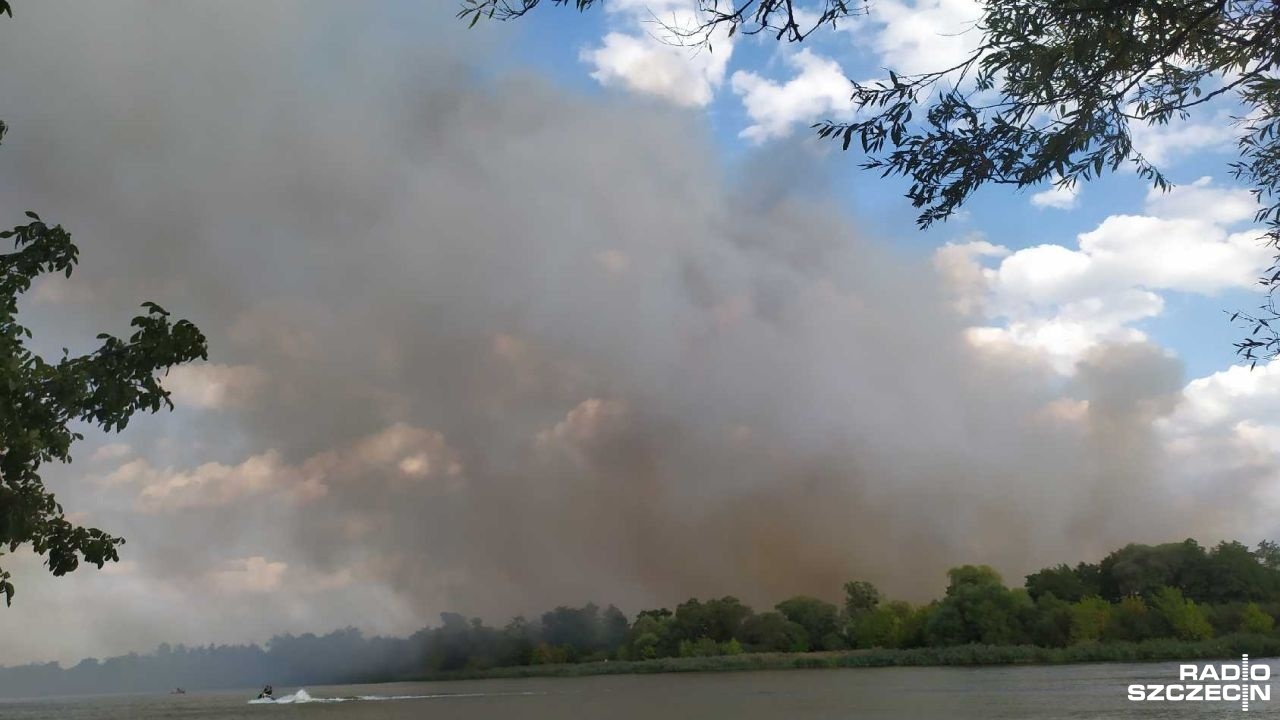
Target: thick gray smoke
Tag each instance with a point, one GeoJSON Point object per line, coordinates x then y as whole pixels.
{"type": "Point", "coordinates": [493, 346]}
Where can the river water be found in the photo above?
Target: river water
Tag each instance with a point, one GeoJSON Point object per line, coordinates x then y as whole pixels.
{"type": "Point", "coordinates": [987, 693]}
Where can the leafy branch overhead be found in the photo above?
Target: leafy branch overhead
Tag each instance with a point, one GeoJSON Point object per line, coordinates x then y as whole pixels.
{"type": "Point", "coordinates": [40, 399]}
{"type": "Point", "coordinates": [784, 19]}
{"type": "Point", "coordinates": [1050, 95]}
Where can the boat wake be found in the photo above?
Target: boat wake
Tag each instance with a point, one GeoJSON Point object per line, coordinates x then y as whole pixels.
{"type": "Point", "coordinates": [298, 698]}
{"type": "Point", "coordinates": [302, 697]}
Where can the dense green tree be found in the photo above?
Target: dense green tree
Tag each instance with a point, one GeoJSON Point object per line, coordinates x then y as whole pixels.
{"type": "Point", "coordinates": [1050, 624]}
{"type": "Point", "coordinates": [659, 613]}
{"type": "Point", "coordinates": [645, 646]}
{"type": "Point", "coordinates": [518, 642]}
{"type": "Point", "coordinates": [1224, 618]}
{"type": "Point", "coordinates": [1254, 620]}
{"type": "Point", "coordinates": [966, 576]}
{"type": "Point", "coordinates": [1183, 618]}
{"type": "Point", "coordinates": [41, 400]}
{"type": "Point", "coordinates": [1233, 574]}
{"type": "Point", "coordinates": [1066, 583]}
{"type": "Point", "coordinates": [650, 636]}
{"type": "Point", "coordinates": [547, 654]}
{"type": "Point", "coordinates": [1145, 569]}
{"type": "Point", "coordinates": [614, 627]}
{"type": "Point", "coordinates": [914, 629]}
{"type": "Point", "coordinates": [719, 619]}
{"type": "Point", "coordinates": [1050, 94]}
{"type": "Point", "coordinates": [978, 608]}
{"type": "Point", "coordinates": [773, 632]}
{"type": "Point", "coordinates": [1130, 621]}
{"type": "Point", "coordinates": [1268, 554]}
{"type": "Point", "coordinates": [1089, 618]}
{"type": "Point", "coordinates": [578, 630]}
{"type": "Point", "coordinates": [451, 646]}
{"type": "Point", "coordinates": [947, 626]}
{"type": "Point", "coordinates": [860, 596]}
{"type": "Point", "coordinates": [819, 618]}
{"type": "Point", "coordinates": [885, 625]}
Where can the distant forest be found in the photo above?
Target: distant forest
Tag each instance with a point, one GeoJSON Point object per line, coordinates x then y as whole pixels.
{"type": "Point", "coordinates": [1179, 591]}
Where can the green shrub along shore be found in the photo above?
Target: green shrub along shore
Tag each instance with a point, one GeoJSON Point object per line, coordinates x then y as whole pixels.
{"type": "Point", "coordinates": [1176, 601]}
{"type": "Point", "coordinates": [1141, 602]}
{"type": "Point", "coordinates": [1231, 646]}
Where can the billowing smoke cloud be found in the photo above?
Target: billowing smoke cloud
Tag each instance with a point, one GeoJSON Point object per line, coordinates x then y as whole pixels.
{"type": "Point", "coordinates": [486, 345]}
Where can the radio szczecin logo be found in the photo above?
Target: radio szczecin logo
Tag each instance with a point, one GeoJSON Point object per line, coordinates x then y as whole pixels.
{"type": "Point", "coordinates": [1211, 683]}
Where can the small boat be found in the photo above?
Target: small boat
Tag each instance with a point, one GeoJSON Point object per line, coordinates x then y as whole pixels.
{"type": "Point", "coordinates": [299, 697]}
{"type": "Point", "coordinates": [177, 691]}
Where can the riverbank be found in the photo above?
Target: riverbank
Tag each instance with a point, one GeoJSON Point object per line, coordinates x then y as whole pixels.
{"type": "Point", "coordinates": [1230, 646]}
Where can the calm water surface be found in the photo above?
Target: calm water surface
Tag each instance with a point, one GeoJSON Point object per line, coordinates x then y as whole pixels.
{"type": "Point", "coordinates": [1059, 692]}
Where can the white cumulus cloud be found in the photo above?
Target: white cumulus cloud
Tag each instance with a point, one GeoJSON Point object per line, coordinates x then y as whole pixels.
{"type": "Point", "coordinates": [1065, 300]}
{"type": "Point", "coordinates": [818, 89]}
{"type": "Point", "coordinates": [652, 57]}
{"type": "Point", "coordinates": [1062, 198]}
{"type": "Point", "coordinates": [915, 36]}
{"type": "Point", "coordinates": [1164, 144]}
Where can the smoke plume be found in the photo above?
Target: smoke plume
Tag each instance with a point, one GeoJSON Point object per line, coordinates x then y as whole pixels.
{"type": "Point", "coordinates": [484, 344]}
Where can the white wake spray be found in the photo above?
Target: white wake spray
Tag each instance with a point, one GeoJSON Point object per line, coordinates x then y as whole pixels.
{"type": "Point", "coordinates": [302, 697]}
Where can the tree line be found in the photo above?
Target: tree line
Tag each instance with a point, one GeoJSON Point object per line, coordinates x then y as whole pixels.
{"type": "Point", "coordinates": [1180, 591]}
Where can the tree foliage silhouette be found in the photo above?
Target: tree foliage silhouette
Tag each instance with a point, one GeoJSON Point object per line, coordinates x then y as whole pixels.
{"type": "Point", "coordinates": [39, 399]}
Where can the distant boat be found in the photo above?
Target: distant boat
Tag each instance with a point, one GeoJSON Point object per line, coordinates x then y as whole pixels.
{"type": "Point", "coordinates": [177, 691]}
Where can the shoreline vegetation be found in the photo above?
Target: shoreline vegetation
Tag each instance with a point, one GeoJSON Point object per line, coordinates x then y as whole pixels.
{"type": "Point", "coordinates": [1176, 601]}
{"type": "Point", "coordinates": [1257, 646]}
